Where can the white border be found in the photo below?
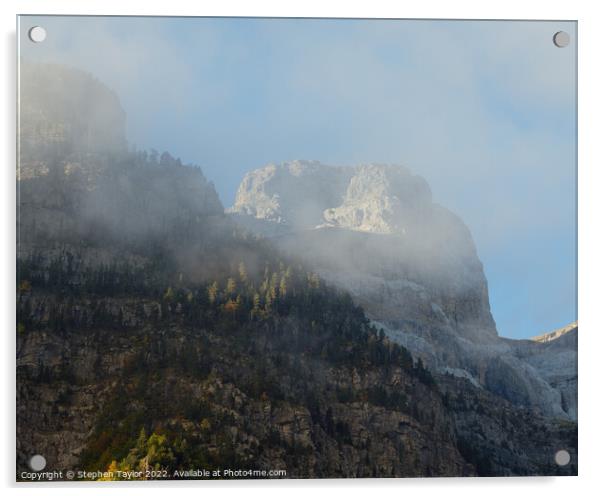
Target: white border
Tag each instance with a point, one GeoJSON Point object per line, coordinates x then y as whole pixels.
{"type": "Point", "coordinates": [590, 249]}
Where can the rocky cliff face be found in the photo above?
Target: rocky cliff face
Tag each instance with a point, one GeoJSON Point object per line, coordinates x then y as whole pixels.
{"type": "Point", "coordinates": [499, 438]}
{"type": "Point", "coordinates": [412, 264]}
{"type": "Point", "coordinates": [554, 356]}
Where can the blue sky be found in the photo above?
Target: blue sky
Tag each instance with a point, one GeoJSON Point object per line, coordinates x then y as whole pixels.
{"type": "Point", "coordinates": [485, 111]}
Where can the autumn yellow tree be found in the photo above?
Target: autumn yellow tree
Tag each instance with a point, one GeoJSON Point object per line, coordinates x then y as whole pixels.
{"type": "Point", "coordinates": [230, 286]}
{"type": "Point", "coordinates": [212, 292]}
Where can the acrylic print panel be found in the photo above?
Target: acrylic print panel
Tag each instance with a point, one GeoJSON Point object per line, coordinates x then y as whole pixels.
{"type": "Point", "coordinates": [295, 248]}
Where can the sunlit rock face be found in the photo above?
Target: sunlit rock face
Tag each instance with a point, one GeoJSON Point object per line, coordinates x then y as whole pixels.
{"type": "Point", "coordinates": [292, 195]}
{"type": "Point", "coordinates": [381, 199]}
{"type": "Point", "coordinates": [375, 231]}
{"type": "Point", "coordinates": [307, 194]}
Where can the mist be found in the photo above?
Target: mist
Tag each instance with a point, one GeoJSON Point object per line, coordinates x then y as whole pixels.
{"type": "Point", "coordinates": [484, 111]}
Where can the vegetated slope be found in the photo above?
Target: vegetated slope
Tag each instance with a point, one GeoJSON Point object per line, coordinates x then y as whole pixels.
{"type": "Point", "coordinates": [279, 372]}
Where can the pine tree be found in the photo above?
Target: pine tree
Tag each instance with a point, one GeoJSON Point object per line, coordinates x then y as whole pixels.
{"type": "Point", "coordinates": [169, 294]}
{"type": "Point", "coordinates": [283, 285]}
{"type": "Point", "coordinates": [212, 292]}
{"type": "Point", "coordinates": [230, 286]}
{"type": "Point", "coordinates": [256, 310]}
{"type": "Point", "coordinates": [314, 281]}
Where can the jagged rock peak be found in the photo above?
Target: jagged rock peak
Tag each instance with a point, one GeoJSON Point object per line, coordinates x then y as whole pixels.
{"type": "Point", "coordinates": [379, 199]}
{"type": "Point", "coordinates": [375, 198]}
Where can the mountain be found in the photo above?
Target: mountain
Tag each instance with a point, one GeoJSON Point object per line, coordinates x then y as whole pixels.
{"type": "Point", "coordinates": [375, 231]}
{"type": "Point", "coordinates": [155, 333]}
